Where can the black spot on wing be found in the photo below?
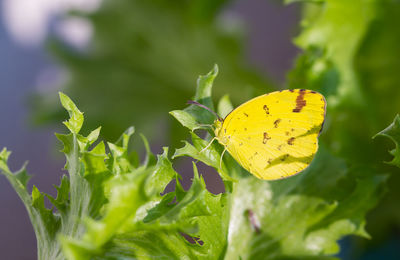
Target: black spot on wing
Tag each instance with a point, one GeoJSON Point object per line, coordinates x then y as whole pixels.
{"type": "Point", "coordinates": [291, 140]}
{"type": "Point", "coordinates": [300, 101]}
{"type": "Point", "coordinates": [266, 109]}
{"type": "Point", "coordinates": [265, 137]}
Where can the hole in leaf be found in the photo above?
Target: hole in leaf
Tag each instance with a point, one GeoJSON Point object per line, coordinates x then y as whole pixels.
{"type": "Point", "coordinates": [214, 183]}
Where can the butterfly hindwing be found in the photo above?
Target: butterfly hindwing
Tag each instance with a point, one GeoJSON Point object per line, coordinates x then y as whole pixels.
{"type": "Point", "coordinates": [275, 135]}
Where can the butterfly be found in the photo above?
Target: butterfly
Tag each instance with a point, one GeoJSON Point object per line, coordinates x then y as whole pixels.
{"type": "Point", "coordinates": [274, 136]}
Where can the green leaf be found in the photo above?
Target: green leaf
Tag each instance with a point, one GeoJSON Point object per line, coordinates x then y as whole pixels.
{"type": "Point", "coordinates": [325, 26]}
{"type": "Point", "coordinates": [224, 106]}
{"type": "Point", "coordinates": [75, 122]}
{"type": "Point", "coordinates": [186, 119]}
{"type": "Point", "coordinates": [77, 197]}
{"type": "Point", "coordinates": [42, 219]}
{"type": "Point", "coordinates": [165, 205]}
{"type": "Point", "coordinates": [61, 202]}
{"type": "Point", "coordinates": [124, 227]}
{"type": "Point", "coordinates": [149, 159]}
{"type": "Point", "coordinates": [46, 215]}
{"type": "Point", "coordinates": [205, 84]}
{"type": "Point", "coordinates": [110, 207]}
{"type": "Point", "coordinates": [22, 176]}
{"type": "Point", "coordinates": [305, 215]}
{"type": "Point", "coordinates": [94, 135]}
{"type": "Point", "coordinates": [120, 161]}
{"type": "Point", "coordinates": [94, 160]}
{"type": "Point", "coordinates": [210, 155]}
{"type": "Point", "coordinates": [162, 175]}
{"type": "Point", "coordinates": [4, 154]}
{"type": "Point", "coordinates": [85, 142]}
{"type": "Point", "coordinates": [360, 81]}
{"type": "Point", "coordinates": [96, 173]}
{"type": "Point", "coordinates": [393, 132]}
{"type": "Point", "coordinates": [203, 96]}
{"type": "Point", "coordinates": [75, 250]}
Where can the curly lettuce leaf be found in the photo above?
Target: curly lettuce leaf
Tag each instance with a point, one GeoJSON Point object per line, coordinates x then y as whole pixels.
{"type": "Point", "coordinates": [110, 206]}
{"type": "Point", "coordinates": [79, 195]}
{"type": "Point", "coordinates": [355, 66]}
{"type": "Point", "coordinates": [325, 26]}
{"type": "Point", "coordinates": [128, 192]}
{"type": "Point", "coordinates": [303, 216]}
{"type": "Point", "coordinates": [138, 225]}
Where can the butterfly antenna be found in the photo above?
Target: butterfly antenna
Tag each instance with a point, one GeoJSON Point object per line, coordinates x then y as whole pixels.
{"type": "Point", "coordinates": [191, 102]}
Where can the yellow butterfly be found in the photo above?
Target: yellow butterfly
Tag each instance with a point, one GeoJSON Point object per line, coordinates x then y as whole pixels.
{"type": "Point", "coordinates": [275, 135]}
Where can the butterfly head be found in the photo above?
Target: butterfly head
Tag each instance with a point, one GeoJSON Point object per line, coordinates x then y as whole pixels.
{"type": "Point", "coordinates": [219, 132]}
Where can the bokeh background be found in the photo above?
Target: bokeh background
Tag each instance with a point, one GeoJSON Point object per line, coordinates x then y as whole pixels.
{"type": "Point", "coordinates": [140, 60]}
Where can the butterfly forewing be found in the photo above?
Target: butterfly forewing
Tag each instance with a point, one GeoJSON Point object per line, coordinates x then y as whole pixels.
{"type": "Point", "coordinates": [275, 135]}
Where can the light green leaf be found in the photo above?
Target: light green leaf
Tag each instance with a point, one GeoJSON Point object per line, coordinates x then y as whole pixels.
{"type": "Point", "coordinates": [75, 122]}
{"type": "Point", "coordinates": [120, 160]}
{"type": "Point", "coordinates": [326, 24]}
{"type": "Point", "coordinates": [186, 119]}
{"type": "Point", "coordinates": [94, 161]}
{"type": "Point", "coordinates": [350, 54]}
{"type": "Point", "coordinates": [224, 106]}
{"type": "Point", "coordinates": [303, 216]}
{"type": "Point", "coordinates": [94, 135]}
{"type": "Point", "coordinates": [210, 155]}
{"type": "Point", "coordinates": [4, 154]}
{"type": "Point", "coordinates": [162, 175]}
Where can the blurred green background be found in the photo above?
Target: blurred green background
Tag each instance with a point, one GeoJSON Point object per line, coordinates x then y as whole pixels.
{"type": "Point", "coordinates": [143, 58]}
{"type": "Point", "coordinates": [143, 61]}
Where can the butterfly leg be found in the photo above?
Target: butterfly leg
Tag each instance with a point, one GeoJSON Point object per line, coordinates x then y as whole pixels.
{"type": "Point", "coordinates": [220, 160]}
{"type": "Point", "coordinates": [208, 145]}
{"type": "Point", "coordinates": [206, 125]}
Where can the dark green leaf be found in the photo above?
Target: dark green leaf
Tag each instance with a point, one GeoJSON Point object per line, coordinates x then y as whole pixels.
{"type": "Point", "coordinates": [393, 132]}
{"type": "Point", "coordinates": [61, 202]}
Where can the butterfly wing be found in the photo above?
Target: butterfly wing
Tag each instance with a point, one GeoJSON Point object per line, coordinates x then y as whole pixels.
{"type": "Point", "coordinates": [275, 135]}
